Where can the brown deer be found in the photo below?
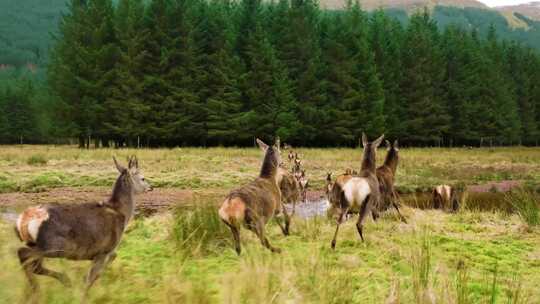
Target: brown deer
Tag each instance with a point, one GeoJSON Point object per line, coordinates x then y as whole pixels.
{"type": "Point", "coordinates": [290, 191]}
{"type": "Point", "coordinates": [290, 157]}
{"type": "Point", "coordinates": [290, 194]}
{"type": "Point", "coordinates": [256, 203]}
{"type": "Point", "coordinates": [386, 175]}
{"type": "Point", "coordinates": [88, 231]}
{"type": "Point", "coordinates": [358, 194]}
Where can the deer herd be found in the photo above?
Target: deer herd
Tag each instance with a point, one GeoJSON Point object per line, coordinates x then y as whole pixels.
{"type": "Point", "coordinates": [93, 231]}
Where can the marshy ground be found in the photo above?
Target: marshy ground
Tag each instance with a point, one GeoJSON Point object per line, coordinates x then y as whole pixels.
{"type": "Point", "coordinates": [177, 251]}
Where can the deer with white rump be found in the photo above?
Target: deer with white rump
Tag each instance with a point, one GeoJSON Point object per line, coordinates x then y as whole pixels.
{"type": "Point", "coordinates": [87, 231]}
{"type": "Point", "coordinates": [358, 193]}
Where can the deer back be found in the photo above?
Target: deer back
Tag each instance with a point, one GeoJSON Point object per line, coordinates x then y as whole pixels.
{"type": "Point", "coordinates": [80, 231]}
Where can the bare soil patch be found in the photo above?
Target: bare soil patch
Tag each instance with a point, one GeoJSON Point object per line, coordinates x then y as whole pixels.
{"type": "Point", "coordinates": [147, 203]}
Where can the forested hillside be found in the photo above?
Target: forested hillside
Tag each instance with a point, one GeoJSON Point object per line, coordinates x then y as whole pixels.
{"type": "Point", "coordinates": [191, 72]}
{"type": "Point", "coordinates": [25, 30]}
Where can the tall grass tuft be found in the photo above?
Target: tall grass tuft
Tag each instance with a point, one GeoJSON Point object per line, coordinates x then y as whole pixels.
{"type": "Point", "coordinates": [462, 284]}
{"type": "Point", "coordinates": [526, 205]}
{"type": "Point", "coordinates": [36, 160]}
{"type": "Point", "coordinates": [197, 230]}
{"type": "Point", "coordinates": [422, 272]}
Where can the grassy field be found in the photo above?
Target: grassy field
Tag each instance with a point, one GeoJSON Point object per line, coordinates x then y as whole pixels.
{"type": "Point", "coordinates": [185, 255]}
{"type": "Point", "coordinates": [37, 168]}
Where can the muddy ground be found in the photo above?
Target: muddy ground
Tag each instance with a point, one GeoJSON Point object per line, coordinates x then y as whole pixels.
{"type": "Point", "coordinates": [162, 199]}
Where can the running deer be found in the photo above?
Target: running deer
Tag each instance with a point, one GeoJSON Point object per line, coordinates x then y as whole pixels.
{"type": "Point", "coordinates": [358, 193]}
{"type": "Point", "coordinates": [256, 203]}
{"type": "Point", "coordinates": [304, 184]}
{"type": "Point", "coordinates": [386, 175]}
{"type": "Point", "coordinates": [290, 157]}
{"type": "Point", "coordinates": [87, 231]}
{"type": "Point", "coordinates": [290, 191]}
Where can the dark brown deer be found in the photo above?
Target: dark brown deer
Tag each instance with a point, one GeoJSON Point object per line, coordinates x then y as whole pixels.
{"type": "Point", "coordinates": [88, 231]}
{"type": "Point", "coordinates": [386, 175]}
{"type": "Point", "coordinates": [358, 194]}
{"type": "Point", "coordinates": [256, 203]}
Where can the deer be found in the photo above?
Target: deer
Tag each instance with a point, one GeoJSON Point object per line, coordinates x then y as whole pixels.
{"type": "Point", "coordinates": [304, 184]}
{"type": "Point", "coordinates": [290, 191]}
{"type": "Point", "coordinates": [290, 157]}
{"type": "Point", "coordinates": [290, 194]}
{"type": "Point", "coordinates": [255, 203]}
{"type": "Point", "coordinates": [386, 174]}
{"type": "Point", "coordinates": [297, 166]}
{"type": "Point", "coordinates": [86, 231]}
{"type": "Point", "coordinates": [358, 193]}
{"type": "Point", "coordinates": [445, 197]}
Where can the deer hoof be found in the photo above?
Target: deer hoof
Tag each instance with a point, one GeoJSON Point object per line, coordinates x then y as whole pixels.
{"type": "Point", "coordinates": [333, 244]}
{"type": "Point", "coordinates": [276, 250]}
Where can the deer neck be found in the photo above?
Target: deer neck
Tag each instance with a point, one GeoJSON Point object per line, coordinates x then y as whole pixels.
{"type": "Point", "coordinates": [368, 162]}
{"type": "Point", "coordinates": [122, 196]}
{"type": "Point", "coordinates": [391, 161]}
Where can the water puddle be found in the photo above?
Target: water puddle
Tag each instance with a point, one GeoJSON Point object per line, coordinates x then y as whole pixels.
{"type": "Point", "coordinates": [8, 215]}
{"type": "Point", "coordinates": [310, 208]}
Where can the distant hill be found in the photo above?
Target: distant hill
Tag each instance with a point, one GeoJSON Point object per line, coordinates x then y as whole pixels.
{"type": "Point", "coordinates": [26, 26]}
{"type": "Point", "coordinates": [530, 10]}
{"type": "Point", "coordinates": [403, 4]}
{"type": "Point", "coordinates": [25, 30]}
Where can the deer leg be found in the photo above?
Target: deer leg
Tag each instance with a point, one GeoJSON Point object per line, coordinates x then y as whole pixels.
{"type": "Point", "coordinates": [111, 257]}
{"type": "Point", "coordinates": [339, 221]}
{"type": "Point", "coordinates": [236, 236]}
{"type": "Point", "coordinates": [28, 259]}
{"type": "Point", "coordinates": [375, 215]}
{"type": "Point", "coordinates": [395, 200]}
{"type": "Point", "coordinates": [364, 209]}
{"type": "Point", "coordinates": [287, 218]}
{"type": "Point", "coordinates": [61, 277]}
{"type": "Point", "coordinates": [259, 230]}
{"type": "Point", "coordinates": [98, 263]}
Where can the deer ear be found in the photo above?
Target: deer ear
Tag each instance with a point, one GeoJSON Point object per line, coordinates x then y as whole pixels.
{"type": "Point", "coordinates": [133, 162]}
{"type": "Point", "coordinates": [396, 146]}
{"type": "Point", "coordinates": [119, 167]}
{"type": "Point", "coordinates": [364, 139]}
{"type": "Point", "coordinates": [278, 143]}
{"type": "Point", "coordinates": [388, 144]}
{"type": "Point", "coordinates": [262, 145]}
{"type": "Point", "coordinates": [378, 141]}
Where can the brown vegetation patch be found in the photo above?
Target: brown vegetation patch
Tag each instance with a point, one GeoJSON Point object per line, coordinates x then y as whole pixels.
{"type": "Point", "coordinates": [502, 186]}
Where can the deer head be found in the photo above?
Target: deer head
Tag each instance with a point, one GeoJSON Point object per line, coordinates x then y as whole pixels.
{"type": "Point", "coordinates": [370, 152]}
{"type": "Point", "coordinates": [272, 164]}
{"type": "Point", "coordinates": [133, 175]}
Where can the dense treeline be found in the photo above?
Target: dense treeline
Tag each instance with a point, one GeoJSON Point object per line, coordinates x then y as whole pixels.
{"type": "Point", "coordinates": [27, 110]}
{"type": "Point", "coordinates": [193, 72]}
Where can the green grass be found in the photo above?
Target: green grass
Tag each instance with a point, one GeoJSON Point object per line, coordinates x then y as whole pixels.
{"type": "Point", "coordinates": [159, 262]}
{"type": "Point", "coordinates": [223, 168]}
{"type": "Point", "coordinates": [526, 205]}
{"type": "Point", "coordinates": [36, 159]}
{"type": "Point", "coordinates": [478, 255]}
